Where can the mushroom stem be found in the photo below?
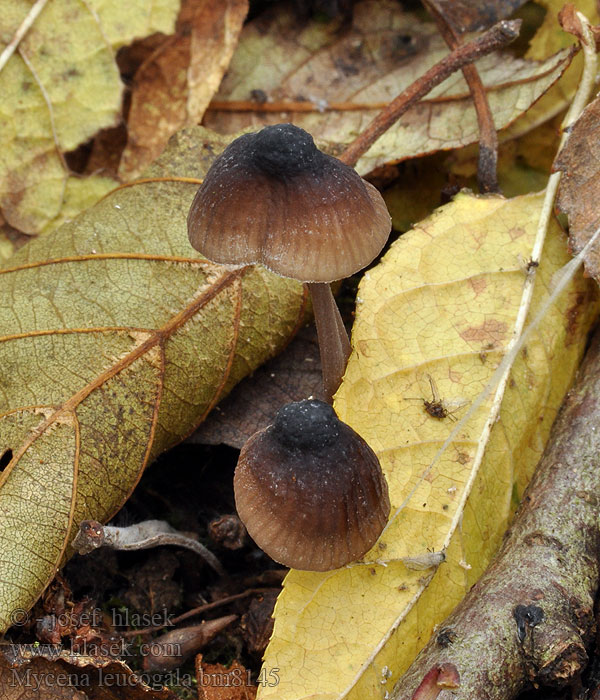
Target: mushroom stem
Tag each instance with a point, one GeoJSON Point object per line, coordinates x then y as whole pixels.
{"type": "Point", "coordinates": [334, 344]}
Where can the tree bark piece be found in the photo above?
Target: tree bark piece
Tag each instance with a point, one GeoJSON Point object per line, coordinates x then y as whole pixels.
{"type": "Point", "coordinates": [530, 616]}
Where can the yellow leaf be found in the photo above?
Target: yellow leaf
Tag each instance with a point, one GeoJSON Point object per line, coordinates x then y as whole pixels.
{"type": "Point", "coordinates": [122, 22]}
{"type": "Point", "coordinates": [58, 88]}
{"type": "Point", "coordinates": [442, 303]}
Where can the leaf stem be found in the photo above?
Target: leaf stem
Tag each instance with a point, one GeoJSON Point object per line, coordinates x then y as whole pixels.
{"type": "Point", "coordinates": [487, 176]}
{"type": "Point", "coordinates": [499, 35]}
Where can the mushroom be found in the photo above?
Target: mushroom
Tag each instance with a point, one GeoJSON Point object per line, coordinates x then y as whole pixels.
{"type": "Point", "coordinates": [309, 489]}
{"type": "Point", "coordinates": [274, 198]}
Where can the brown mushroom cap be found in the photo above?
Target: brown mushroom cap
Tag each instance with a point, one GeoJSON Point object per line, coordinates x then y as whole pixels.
{"type": "Point", "coordinates": [309, 489]}
{"type": "Point", "coordinates": [274, 198]}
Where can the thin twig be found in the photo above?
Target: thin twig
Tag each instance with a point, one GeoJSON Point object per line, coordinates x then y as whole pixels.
{"type": "Point", "coordinates": [487, 176]}
{"type": "Point", "coordinates": [499, 35]}
{"type": "Point", "coordinates": [197, 611]}
{"type": "Point", "coordinates": [35, 10]}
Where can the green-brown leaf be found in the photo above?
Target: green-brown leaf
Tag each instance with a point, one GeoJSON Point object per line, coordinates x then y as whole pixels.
{"type": "Point", "coordinates": [116, 339]}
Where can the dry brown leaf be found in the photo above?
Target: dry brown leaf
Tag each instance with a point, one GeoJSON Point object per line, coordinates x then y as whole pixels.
{"type": "Point", "coordinates": [293, 375]}
{"type": "Point", "coordinates": [216, 682]}
{"type": "Point", "coordinates": [174, 85]}
{"type": "Point", "coordinates": [45, 672]}
{"type": "Point", "coordinates": [579, 190]}
{"type": "Point", "coordinates": [350, 74]}
{"type": "Point", "coordinates": [257, 623]}
{"type": "Point", "coordinates": [570, 22]}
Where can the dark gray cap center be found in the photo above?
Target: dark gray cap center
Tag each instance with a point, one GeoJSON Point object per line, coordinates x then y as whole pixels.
{"type": "Point", "coordinates": [285, 150]}
{"type": "Point", "coordinates": [306, 425]}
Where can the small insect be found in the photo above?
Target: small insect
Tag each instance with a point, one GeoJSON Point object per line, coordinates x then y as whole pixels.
{"type": "Point", "coordinates": [484, 353]}
{"type": "Point", "coordinates": [528, 264]}
{"type": "Point", "coordinates": [437, 408]}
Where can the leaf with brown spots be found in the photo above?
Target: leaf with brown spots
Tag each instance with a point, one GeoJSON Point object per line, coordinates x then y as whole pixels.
{"type": "Point", "coordinates": [116, 340]}
{"type": "Point", "coordinates": [444, 302]}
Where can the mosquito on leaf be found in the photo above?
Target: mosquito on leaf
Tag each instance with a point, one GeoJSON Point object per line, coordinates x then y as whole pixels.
{"type": "Point", "coordinates": [438, 407]}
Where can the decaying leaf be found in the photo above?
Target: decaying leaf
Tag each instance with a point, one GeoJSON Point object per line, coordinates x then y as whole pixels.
{"type": "Point", "coordinates": [116, 340]}
{"type": "Point", "coordinates": [362, 69]}
{"type": "Point", "coordinates": [217, 682]}
{"type": "Point", "coordinates": [579, 190]}
{"type": "Point", "coordinates": [175, 84]}
{"type": "Point", "coordinates": [45, 672]}
{"type": "Point", "coordinates": [59, 87]}
{"type": "Point", "coordinates": [293, 375]}
{"type": "Point", "coordinates": [442, 303]}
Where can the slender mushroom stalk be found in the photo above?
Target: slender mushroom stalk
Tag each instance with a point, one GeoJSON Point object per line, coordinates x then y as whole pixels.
{"type": "Point", "coordinates": [334, 344]}
{"type": "Point", "coordinates": [273, 198]}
